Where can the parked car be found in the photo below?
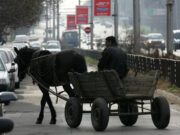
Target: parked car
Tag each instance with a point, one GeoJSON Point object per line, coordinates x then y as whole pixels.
{"type": "Point", "coordinates": [19, 45]}
{"type": "Point", "coordinates": [35, 45]}
{"type": "Point", "coordinates": [176, 36]}
{"type": "Point", "coordinates": [9, 65]}
{"type": "Point", "coordinates": [4, 77]}
{"type": "Point", "coordinates": [21, 39]}
{"type": "Point", "coordinates": [13, 56]}
{"type": "Point", "coordinates": [155, 40]}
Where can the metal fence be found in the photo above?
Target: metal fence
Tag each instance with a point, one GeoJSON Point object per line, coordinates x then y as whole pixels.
{"type": "Point", "coordinates": [169, 68]}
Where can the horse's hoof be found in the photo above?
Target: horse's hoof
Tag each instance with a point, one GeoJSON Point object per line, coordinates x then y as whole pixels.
{"type": "Point", "coordinates": [53, 121]}
{"type": "Point", "coordinates": [39, 122]}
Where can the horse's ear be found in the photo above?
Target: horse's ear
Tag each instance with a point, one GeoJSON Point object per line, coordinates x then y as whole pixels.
{"type": "Point", "coordinates": [16, 50]}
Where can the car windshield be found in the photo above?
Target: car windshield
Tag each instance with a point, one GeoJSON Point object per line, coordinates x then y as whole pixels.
{"type": "Point", "coordinates": [4, 57]}
{"type": "Point", "coordinates": [155, 37]}
{"type": "Point", "coordinates": [177, 35]}
{"type": "Point", "coordinates": [35, 45]}
{"type": "Point", "coordinates": [70, 35]}
{"type": "Point", "coordinates": [2, 68]}
{"type": "Point", "coordinates": [52, 46]}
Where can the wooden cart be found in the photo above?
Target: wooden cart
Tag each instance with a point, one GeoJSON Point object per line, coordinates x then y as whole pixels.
{"type": "Point", "coordinates": [104, 89]}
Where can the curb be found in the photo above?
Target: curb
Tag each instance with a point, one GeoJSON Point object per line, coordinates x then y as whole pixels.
{"type": "Point", "coordinates": [173, 99]}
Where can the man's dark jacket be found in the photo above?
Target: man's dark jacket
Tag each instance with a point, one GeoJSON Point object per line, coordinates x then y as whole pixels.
{"type": "Point", "coordinates": [114, 58]}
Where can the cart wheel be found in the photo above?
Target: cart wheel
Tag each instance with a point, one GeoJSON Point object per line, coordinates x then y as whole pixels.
{"type": "Point", "coordinates": [160, 112]}
{"type": "Point", "coordinates": [99, 114]}
{"type": "Point", "coordinates": [128, 120]}
{"type": "Point", "coordinates": [73, 112]}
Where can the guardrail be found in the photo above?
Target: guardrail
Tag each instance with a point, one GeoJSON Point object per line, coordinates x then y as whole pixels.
{"type": "Point", "coordinates": [169, 68]}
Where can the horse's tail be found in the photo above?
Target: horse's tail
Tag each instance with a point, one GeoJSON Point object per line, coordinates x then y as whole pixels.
{"type": "Point", "coordinates": [79, 64]}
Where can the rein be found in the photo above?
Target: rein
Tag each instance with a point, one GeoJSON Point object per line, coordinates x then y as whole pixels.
{"type": "Point", "coordinates": [50, 90]}
{"type": "Point", "coordinates": [41, 57]}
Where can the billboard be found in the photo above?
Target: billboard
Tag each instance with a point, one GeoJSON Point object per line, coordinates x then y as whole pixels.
{"type": "Point", "coordinates": [81, 14]}
{"type": "Point", "coordinates": [102, 7]}
{"type": "Point", "coordinates": [71, 22]}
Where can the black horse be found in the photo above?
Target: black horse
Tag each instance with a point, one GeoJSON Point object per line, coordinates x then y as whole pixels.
{"type": "Point", "coordinates": [50, 70]}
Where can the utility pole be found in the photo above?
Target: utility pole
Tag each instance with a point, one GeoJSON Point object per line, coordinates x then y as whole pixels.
{"type": "Point", "coordinates": [116, 19]}
{"type": "Point", "coordinates": [170, 46]}
{"type": "Point", "coordinates": [79, 29]}
{"type": "Point", "coordinates": [136, 19]}
{"type": "Point", "coordinates": [53, 19]}
{"type": "Point", "coordinates": [50, 20]}
{"type": "Point", "coordinates": [58, 36]}
{"type": "Point", "coordinates": [47, 20]}
{"type": "Point", "coordinates": [92, 15]}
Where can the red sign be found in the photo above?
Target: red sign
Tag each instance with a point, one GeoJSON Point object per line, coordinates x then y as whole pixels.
{"type": "Point", "coordinates": [81, 14]}
{"type": "Point", "coordinates": [87, 30]}
{"type": "Point", "coordinates": [71, 22]}
{"type": "Point", "coordinates": [102, 7]}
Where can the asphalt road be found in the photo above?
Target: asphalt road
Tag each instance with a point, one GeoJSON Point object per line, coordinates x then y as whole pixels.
{"type": "Point", "coordinates": [24, 113]}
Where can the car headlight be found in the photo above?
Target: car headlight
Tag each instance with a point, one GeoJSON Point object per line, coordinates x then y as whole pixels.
{"type": "Point", "coordinates": [162, 42]}
{"type": "Point", "coordinates": [2, 81]}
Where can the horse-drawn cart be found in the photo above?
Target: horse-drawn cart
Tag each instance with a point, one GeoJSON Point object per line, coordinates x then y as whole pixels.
{"type": "Point", "coordinates": [104, 89]}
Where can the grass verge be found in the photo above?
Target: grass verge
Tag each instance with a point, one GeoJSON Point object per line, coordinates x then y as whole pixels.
{"type": "Point", "coordinates": [91, 61]}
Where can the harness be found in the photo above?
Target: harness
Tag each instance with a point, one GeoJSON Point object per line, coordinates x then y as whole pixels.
{"type": "Point", "coordinates": [37, 77]}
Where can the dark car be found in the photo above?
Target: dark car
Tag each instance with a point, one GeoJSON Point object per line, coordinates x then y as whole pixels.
{"type": "Point", "coordinates": [71, 38]}
{"type": "Point", "coordinates": [176, 36]}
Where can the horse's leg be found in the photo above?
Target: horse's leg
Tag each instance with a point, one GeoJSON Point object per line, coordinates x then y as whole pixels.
{"type": "Point", "coordinates": [47, 99]}
{"type": "Point", "coordinates": [51, 107]}
{"type": "Point", "coordinates": [41, 114]}
{"type": "Point", "coordinates": [69, 90]}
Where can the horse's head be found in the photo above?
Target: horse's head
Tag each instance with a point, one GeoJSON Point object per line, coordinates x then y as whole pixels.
{"type": "Point", "coordinates": [23, 59]}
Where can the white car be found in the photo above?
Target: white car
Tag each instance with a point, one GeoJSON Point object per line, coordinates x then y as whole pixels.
{"type": "Point", "coordinates": [4, 77]}
{"type": "Point", "coordinates": [9, 65]}
{"type": "Point", "coordinates": [53, 47]}
{"type": "Point", "coordinates": [155, 40]}
{"type": "Point", "coordinates": [53, 41]}
{"type": "Point", "coordinates": [21, 39]}
{"type": "Point", "coordinates": [19, 45]}
{"type": "Point", "coordinates": [13, 55]}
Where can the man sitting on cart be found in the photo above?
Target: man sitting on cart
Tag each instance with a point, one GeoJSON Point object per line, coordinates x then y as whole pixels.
{"type": "Point", "coordinates": [113, 58]}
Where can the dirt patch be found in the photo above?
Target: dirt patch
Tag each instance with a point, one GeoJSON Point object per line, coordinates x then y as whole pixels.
{"type": "Point", "coordinates": [164, 84]}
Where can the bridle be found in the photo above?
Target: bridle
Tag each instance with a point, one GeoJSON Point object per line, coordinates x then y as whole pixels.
{"type": "Point", "coordinates": [23, 64]}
